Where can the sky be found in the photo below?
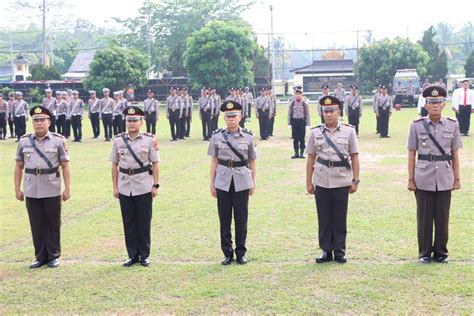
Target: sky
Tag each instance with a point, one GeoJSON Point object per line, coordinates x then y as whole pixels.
{"type": "Point", "coordinates": [310, 24]}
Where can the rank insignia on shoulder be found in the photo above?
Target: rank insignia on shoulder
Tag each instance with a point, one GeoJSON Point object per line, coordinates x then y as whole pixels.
{"type": "Point", "coordinates": [245, 130]}
{"type": "Point", "coordinates": [348, 125]}
{"type": "Point", "coordinates": [317, 126]}
{"type": "Point", "coordinates": [217, 130]}
{"type": "Point", "coordinates": [452, 119]}
{"type": "Point", "coordinates": [26, 135]}
{"type": "Point", "coordinates": [57, 135]}
{"type": "Point", "coordinates": [148, 134]}
{"type": "Point", "coordinates": [119, 135]}
{"type": "Point", "coordinates": [418, 119]}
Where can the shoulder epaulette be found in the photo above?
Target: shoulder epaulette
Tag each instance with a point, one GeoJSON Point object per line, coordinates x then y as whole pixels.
{"type": "Point", "coordinates": [148, 134]}
{"type": "Point", "coordinates": [349, 125]}
{"type": "Point", "coordinates": [418, 119]}
{"type": "Point", "coordinates": [452, 119]}
{"type": "Point", "coordinates": [57, 135]}
{"type": "Point", "coordinates": [245, 130]}
{"type": "Point", "coordinates": [317, 126]}
{"type": "Point", "coordinates": [217, 130]}
{"type": "Point", "coordinates": [26, 135]}
{"type": "Point", "coordinates": [118, 135]}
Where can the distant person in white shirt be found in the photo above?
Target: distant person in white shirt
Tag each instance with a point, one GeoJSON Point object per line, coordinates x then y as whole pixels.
{"type": "Point", "coordinates": [463, 99]}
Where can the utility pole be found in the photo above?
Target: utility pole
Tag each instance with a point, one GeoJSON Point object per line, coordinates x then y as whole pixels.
{"type": "Point", "coordinates": [273, 51]}
{"type": "Point", "coordinates": [11, 55]}
{"type": "Point", "coordinates": [148, 29]}
{"type": "Point", "coordinates": [43, 8]}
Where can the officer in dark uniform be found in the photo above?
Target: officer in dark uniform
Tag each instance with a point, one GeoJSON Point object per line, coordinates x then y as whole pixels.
{"type": "Point", "coordinates": [332, 172]}
{"type": "Point", "coordinates": [434, 174]}
{"type": "Point", "coordinates": [174, 113]}
{"type": "Point", "coordinates": [353, 107]}
{"type": "Point", "coordinates": [135, 175]}
{"type": "Point", "coordinates": [383, 110]}
{"type": "Point", "coordinates": [150, 106]}
{"type": "Point", "coordinates": [206, 108]}
{"type": "Point", "coordinates": [11, 108]}
{"type": "Point", "coordinates": [262, 109]}
{"type": "Point", "coordinates": [42, 155]}
{"type": "Point", "coordinates": [233, 174]}
{"type": "Point", "coordinates": [94, 113]}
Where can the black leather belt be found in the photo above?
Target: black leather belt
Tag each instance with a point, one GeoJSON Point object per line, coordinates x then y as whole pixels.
{"type": "Point", "coordinates": [330, 163]}
{"type": "Point", "coordinates": [435, 157]}
{"type": "Point", "coordinates": [131, 171]}
{"type": "Point", "coordinates": [39, 171]}
{"type": "Point", "coordinates": [232, 164]}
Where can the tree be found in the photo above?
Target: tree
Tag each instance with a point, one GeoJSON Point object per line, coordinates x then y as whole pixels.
{"type": "Point", "coordinates": [220, 55]}
{"type": "Point", "coordinates": [115, 67]}
{"type": "Point", "coordinates": [40, 72]}
{"type": "Point", "coordinates": [64, 55]}
{"type": "Point", "coordinates": [438, 63]}
{"type": "Point", "coordinates": [469, 66]}
{"type": "Point", "coordinates": [379, 61]}
{"type": "Point", "coordinates": [170, 23]}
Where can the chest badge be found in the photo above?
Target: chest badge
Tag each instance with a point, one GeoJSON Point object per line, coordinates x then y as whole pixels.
{"type": "Point", "coordinates": [424, 144]}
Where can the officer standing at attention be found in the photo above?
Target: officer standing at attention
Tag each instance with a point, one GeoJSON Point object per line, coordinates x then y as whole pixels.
{"type": "Point", "coordinates": [216, 101]}
{"type": "Point", "coordinates": [262, 110]}
{"type": "Point", "coordinates": [353, 108]}
{"type": "Point", "coordinates": [233, 175]}
{"type": "Point", "coordinates": [20, 115]}
{"type": "Point", "coordinates": [273, 110]}
{"type": "Point", "coordinates": [325, 93]}
{"type": "Point", "coordinates": [61, 108]}
{"type": "Point", "coordinates": [383, 110]}
{"type": "Point", "coordinates": [150, 106]}
{"type": "Point", "coordinates": [332, 172]}
{"type": "Point", "coordinates": [298, 119]}
{"type": "Point", "coordinates": [398, 92]}
{"type": "Point", "coordinates": [118, 108]}
{"type": "Point", "coordinates": [42, 155]}
{"type": "Point", "coordinates": [249, 98]}
{"type": "Point", "coordinates": [205, 112]}
{"type": "Point", "coordinates": [434, 174]}
{"type": "Point", "coordinates": [410, 93]}
{"type": "Point", "coordinates": [374, 106]}
{"type": "Point", "coordinates": [76, 114]}
{"type": "Point", "coordinates": [106, 109]}
{"type": "Point", "coordinates": [67, 97]}
{"type": "Point", "coordinates": [174, 112]}
{"type": "Point", "coordinates": [11, 109]}
{"type": "Point", "coordinates": [340, 93]}
{"type": "Point", "coordinates": [3, 118]}
{"type": "Point", "coordinates": [135, 175]}
{"type": "Point", "coordinates": [50, 103]}
{"type": "Point", "coordinates": [94, 112]}
{"type": "Point", "coordinates": [123, 106]}
{"type": "Point", "coordinates": [188, 110]}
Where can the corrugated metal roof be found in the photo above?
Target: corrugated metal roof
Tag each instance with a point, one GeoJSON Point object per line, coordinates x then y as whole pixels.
{"type": "Point", "coordinates": [338, 65]}
{"type": "Point", "coordinates": [82, 61]}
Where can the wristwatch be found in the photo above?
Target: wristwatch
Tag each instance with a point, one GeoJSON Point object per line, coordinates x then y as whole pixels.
{"type": "Point", "coordinates": [355, 181]}
{"type": "Point", "coordinates": [156, 186]}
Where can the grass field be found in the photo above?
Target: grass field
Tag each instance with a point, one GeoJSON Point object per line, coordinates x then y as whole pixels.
{"type": "Point", "coordinates": [382, 274]}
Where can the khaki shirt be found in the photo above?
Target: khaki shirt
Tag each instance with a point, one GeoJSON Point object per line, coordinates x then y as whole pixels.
{"type": "Point", "coordinates": [94, 105]}
{"type": "Point", "coordinates": [217, 104]}
{"type": "Point", "coordinates": [20, 108]}
{"type": "Point", "coordinates": [242, 140]}
{"type": "Point", "coordinates": [137, 184]}
{"type": "Point", "coordinates": [398, 90]}
{"type": "Point", "coordinates": [298, 110]}
{"type": "Point", "coordinates": [340, 93]}
{"type": "Point", "coordinates": [50, 104]}
{"type": "Point", "coordinates": [11, 108]}
{"type": "Point", "coordinates": [174, 104]}
{"type": "Point", "coordinates": [107, 105]}
{"type": "Point", "coordinates": [76, 108]}
{"type": "Point", "coordinates": [383, 102]}
{"type": "Point", "coordinates": [62, 107]}
{"type": "Point", "coordinates": [411, 90]}
{"type": "Point", "coordinates": [344, 137]}
{"type": "Point", "coordinates": [4, 108]}
{"type": "Point", "coordinates": [150, 105]}
{"type": "Point", "coordinates": [263, 103]}
{"type": "Point", "coordinates": [353, 102]}
{"type": "Point", "coordinates": [54, 147]}
{"type": "Point", "coordinates": [434, 175]}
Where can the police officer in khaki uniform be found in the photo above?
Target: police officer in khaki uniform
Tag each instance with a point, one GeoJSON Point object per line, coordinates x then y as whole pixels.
{"type": "Point", "coordinates": [50, 103]}
{"type": "Point", "coordinates": [106, 108]}
{"type": "Point", "coordinates": [3, 118]}
{"type": "Point", "coordinates": [298, 119]}
{"type": "Point", "coordinates": [340, 93]}
{"type": "Point", "coordinates": [273, 110]}
{"type": "Point", "coordinates": [174, 112]}
{"type": "Point", "coordinates": [398, 92]}
{"type": "Point", "coordinates": [262, 109]}
{"type": "Point", "coordinates": [383, 110]}
{"type": "Point", "coordinates": [20, 115]}
{"type": "Point", "coordinates": [233, 175]}
{"type": "Point", "coordinates": [188, 112]}
{"type": "Point", "coordinates": [332, 172]}
{"type": "Point", "coordinates": [325, 93]}
{"type": "Point", "coordinates": [117, 118]}
{"type": "Point", "coordinates": [206, 108]}
{"type": "Point", "coordinates": [94, 112]}
{"type": "Point", "coordinates": [353, 108]}
{"type": "Point", "coordinates": [150, 107]}
{"type": "Point", "coordinates": [411, 93]}
{"type": "Point", "coordinates": [135, 174]}
{"type": "Point", "coordinates": [216, 101]}
{"type": "Point", "coordinates": [61, 111]}
{"type": "Point", "coordinates": [249, 99]}
{"type": "Point", "coordinates": [11, 107]}
{"type": "Point", "coordinates": [76, 113]}
{"type": "Point", "coordinates": [434, 174]}
{"type": "Point", "coordinates": [42, 155]}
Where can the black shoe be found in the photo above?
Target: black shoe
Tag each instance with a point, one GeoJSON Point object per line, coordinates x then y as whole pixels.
{"type": "Point", "coordinates": [295, 156]}
{"type": "Point", "coordinates": [340, 258]}
{"type": "Point", "coordinates": [54, 263]}
{"type": "Point", "coordinates": [441, 259]}
{"type": "Point", "coordinates": [181, 138]}
{"type": "Point", "coordinates": [226, 261]}
{"type": "Point", "coordinates": [425, 259]}
{"type": "Point", "coordinates": [302, 155]}
{"type": "Point", "coordinates": [145, 262]}
{"type": "Point", "coordinates": [130, 262]}
{"type": "Point", "coordinates": [325, 257]}
{"type": "Point", "coordinates": [37, 263]}
{"type": "Point", "coordinates": [241, 260]}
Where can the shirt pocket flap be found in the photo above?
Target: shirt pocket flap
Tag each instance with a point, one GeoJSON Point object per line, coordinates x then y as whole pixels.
{"type": "Point", "coordinates": [27, 150]}
{"type": "Point", "coordinates": [448, 134]}
{"type": "Point", "coordinates": [344, 140]}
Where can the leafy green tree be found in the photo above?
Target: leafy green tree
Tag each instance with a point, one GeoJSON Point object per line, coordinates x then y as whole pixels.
{"type": "Point", "coordinates": [115, 67]}
{"type": "Point", "coordinates": [378, 61]}
{"type": "Point", "coordinates": [171, 22]}
{"type": "Point", "coordinates": [437, 67]}
{"type": "Point", "coordinates": [220, 55]}
{"type": "Point", "coordinates": [40, 72]}
{"type": "Point", "coordinates": [469, 66]}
